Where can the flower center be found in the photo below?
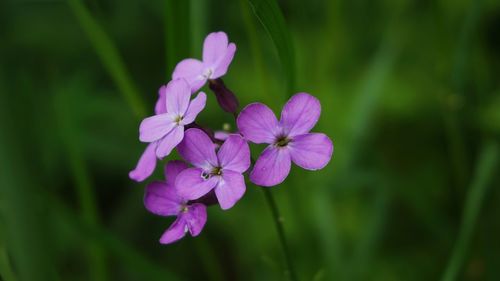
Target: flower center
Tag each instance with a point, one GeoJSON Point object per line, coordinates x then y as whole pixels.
{"type": "Point", "coordinates": [178, 119]}
{"type": "Point", "coordinates": [282, 141]}
{"type": "Point", "coordinates": [216, 171]}
{"type": "Point", "coordinates": [207, 73]}
{"type": "Point", "coordinates": [184, 208]}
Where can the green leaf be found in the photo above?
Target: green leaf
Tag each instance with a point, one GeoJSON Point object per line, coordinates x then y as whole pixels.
{"type": "Point", "coordinates": [270, 16]}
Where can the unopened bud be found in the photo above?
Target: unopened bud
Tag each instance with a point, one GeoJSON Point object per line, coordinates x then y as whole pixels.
{"type": "Point", "coordinates": [226, 99]}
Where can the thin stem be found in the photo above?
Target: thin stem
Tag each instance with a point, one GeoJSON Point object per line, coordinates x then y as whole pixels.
{"type": "Point", "coordinates": [278, 222]}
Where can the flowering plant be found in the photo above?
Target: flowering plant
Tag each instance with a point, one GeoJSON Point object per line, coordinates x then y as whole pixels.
{"type": "Point", "coordinates": [214, 166]}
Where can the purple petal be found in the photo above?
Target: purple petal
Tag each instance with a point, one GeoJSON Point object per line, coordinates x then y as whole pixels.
{"type": "Point", "coordinates": [221, 135]}
{"type": "Point", "coordinates": [258, 124]}
{"type": "Point", "coordinates": [161, 103]}
{"type": "Point", "coordinates": [230, 189]}
{"type": "Point", "coordinates": [192, 71]}
{"type": "Point", "coordinates": [195, 107]}
{"type": "Point", "coordinates": [223, 64]}
{"type": "Point", "coordinates": [214, 47]}
{"type": "Point", "coordinates": [173, 169]}
{"type": "Point", "coordinates": [197, 148]}
{"type": "Point", "coordinates": [169, 142]}
{"type": "Point", "coordinates": [300, 114]}
{"type": "Point", "coordinates": [162, 199]}
{"type": "Point", "coordinates": [155, 127]}
{"type": "Point", "coordinates": [195, 218]}
{"type": "Point", "coordinates": [175, 232]}
{"type": "Point", "coordinates": [146, 164]}
{"type": "Point", "coordinates": [272, 167]}
{"type": "Point", "coordinates": [234, 154]}
{"type": "Point", "coordinates": [311, 151]}
{"type": "Point", "coordinates": [191, 183]}
{"type": "Point", "coordinates": [178, 96]}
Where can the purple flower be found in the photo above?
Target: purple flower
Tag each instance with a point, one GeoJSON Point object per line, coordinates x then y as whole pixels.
{"type": "Point", "coordinates": [161, 198]}
{"type": "Point", "coordinates": [221, 171]}
{"type": "Point", "coordinates": [289, 138]}
{"type": "Point", "coordinates": [147, 162]}
{"type": "Point", "coordinates": [217, 55]}
{"type": "Point", "coordinates": [167, 129]}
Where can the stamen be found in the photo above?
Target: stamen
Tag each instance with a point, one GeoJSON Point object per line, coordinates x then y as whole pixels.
{"type": "Point", "coordinates": [184, 208]}
{"type": "Point", "coordinates": [178, 119]}
{"type": "Point", "coordinates": [217, 171]}
{"type": "Point", "coordinates": [282, 141]}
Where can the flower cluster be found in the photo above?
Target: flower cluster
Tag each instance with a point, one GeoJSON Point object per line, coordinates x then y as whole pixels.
{"type": "Point", "coordinates": [215, 164]}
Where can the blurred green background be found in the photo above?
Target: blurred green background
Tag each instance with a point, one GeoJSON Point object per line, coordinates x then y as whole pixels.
{"type": "Point", "coordinates": [410, 94]}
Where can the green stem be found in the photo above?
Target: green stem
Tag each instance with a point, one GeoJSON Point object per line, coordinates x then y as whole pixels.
{"type": "Point", "coordinates": [278, 222]}
{"type": "Point", "coordinates": [476, 193]}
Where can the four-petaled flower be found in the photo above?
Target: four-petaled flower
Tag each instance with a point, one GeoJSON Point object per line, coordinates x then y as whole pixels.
{"type": "Point", "coordinates": [167, 129]}
{"type": "Point", "coordinates": [161, 198]}
{"type": "Point", "coordinates": [289, 138]}
{"type": "Point", "coordinates": [217, 56]}
{"type": "Point", "coordinates": [221, 171]}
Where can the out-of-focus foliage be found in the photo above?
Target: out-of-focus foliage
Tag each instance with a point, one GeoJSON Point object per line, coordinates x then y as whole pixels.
{"type": "Point", "coordinates": [410, 94]}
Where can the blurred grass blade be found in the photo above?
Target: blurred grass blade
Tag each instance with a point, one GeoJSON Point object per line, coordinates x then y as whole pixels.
{"type": "Point", "coordinates": [485, 171]}
{"type": "Point", "coordinates": [128, 256]}
{"type": "Point", "coordinates": [110, 57]}
{"type": "Point", "coordinates": [211, 264]}
{"type": "Point", "coordinates": [270, 16]}
{"type": "Point", "coordinates": [22, 212]}
{"type": "Point", "coordinates": [6, 273]}
{"type": "Point", "coordinates": [368, 99]}
{"type": "Point", "coordinates": [255, 49]}
{"type": "Point", "coordinates": [454, 114]}
{"type": "Point", "coordinates": [199, 19]}
{"type": "Point", "coordinates": [177, 33]}
{"type": "Point", "coordinates": [361, 116]}
{"type": "Point", "coordinates": [84, 188]}
{"type": "Point", "coordinates": [370, 238]}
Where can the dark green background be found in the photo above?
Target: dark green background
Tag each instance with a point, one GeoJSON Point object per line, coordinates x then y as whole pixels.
{"type": "Point", "coordinates": [410, 97]}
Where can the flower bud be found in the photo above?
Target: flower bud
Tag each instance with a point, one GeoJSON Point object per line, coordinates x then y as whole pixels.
{"type": "Point", "coordinates": [226, 99]}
